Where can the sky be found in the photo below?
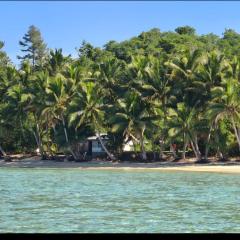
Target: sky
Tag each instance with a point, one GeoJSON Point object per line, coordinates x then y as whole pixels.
{"type": "Point", "coordinates": [66, 24]}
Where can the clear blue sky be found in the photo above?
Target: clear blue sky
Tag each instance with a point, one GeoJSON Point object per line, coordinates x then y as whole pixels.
{"type": "Point", "coordinates": [67, 24]}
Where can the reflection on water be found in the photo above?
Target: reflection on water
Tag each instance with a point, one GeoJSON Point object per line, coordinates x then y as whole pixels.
{"type": "Point", "coordinates": [72, 200]}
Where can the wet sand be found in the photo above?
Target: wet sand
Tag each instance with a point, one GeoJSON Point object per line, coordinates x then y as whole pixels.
{"type": "Point", "coordinates": [227, 167]}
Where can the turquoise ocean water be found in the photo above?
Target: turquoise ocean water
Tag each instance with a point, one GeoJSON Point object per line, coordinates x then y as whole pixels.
{"type": "Point", "coordinates": [134, 201]}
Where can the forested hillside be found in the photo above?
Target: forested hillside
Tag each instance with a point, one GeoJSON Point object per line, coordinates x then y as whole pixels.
{"type": "Point", "coordinates": [158, 89]}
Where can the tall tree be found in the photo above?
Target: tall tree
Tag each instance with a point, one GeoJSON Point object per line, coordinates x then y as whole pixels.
{"type": "Point", "coordinates": [226, 105]}
{"type": "Point", "coordinates": [90, 110]}
{"type": "Point", "coordinates": [185, 30]}
{"type": "Point", "coordinates": [33, 45]}
{"type": "Point", "coordinates": [184, 121]}
{"type": "Point", "coordinates": [57, 61]}
{"type": "Point", "coordinates": [4, 59]}
{"type": "Point", "coordinates": [132, 118]}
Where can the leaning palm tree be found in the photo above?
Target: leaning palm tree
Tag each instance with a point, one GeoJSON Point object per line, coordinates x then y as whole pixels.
{"type": "Point", "coordinates": [214, 134]}
{"type": "Point", "coordinates": [88, 108]}
{"type": "Point", "coordinates": [132, 118]}
{"type": "Point", "coordinates": [183, 122]}
{"type": "Point", "coordinates": [226, 105]}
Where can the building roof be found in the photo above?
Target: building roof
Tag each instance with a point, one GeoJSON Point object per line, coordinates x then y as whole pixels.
{"type": "Point", "coordinates": [103, 135]}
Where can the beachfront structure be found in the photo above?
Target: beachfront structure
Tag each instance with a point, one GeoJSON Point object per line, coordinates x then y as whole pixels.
{"type": "Point", "coordinates": [94, 146]}
{"type": "Point", "coordinates": [128, 146]}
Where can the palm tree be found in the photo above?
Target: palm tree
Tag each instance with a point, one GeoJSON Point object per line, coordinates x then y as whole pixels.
{"type": "Point", "coordinates": [184, 83]}
{"type": "Point", "coordinates": [183, 122]}
{"type": "Point", "coordinates": [226, 105]}
{"type": "Point", "coordinates": [88, 109]}
{"type": "Point", "coordinates": [33, 100]}
{"type": "Point", "coordinates": [57, 62]}
{"type": "Point", "coordinates": [132, 118]}
{"type": "Point", "coordinates": [214, 132]}
{"type": "Point", "coordinates": [212, 68]}
{"type": "Point", "coordinates": [108, 77]}
{"type": "Point", "coordinates": [136, 71]}
{"type": "Point", "coordinates": [154, 89]}
{"type": "Point", "coordinates": [186, 87]}
{"type": "Point", "coordinates": [14, 97]}
{"type": "Point", "coordinates": [184, 67]}
{"type": "Point", "coordinates": [232, 69]}
{"type": "Point", "coordinates": [56, 104]}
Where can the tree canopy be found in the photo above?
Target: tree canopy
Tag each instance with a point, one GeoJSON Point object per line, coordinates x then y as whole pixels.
{"type": "Point", "coordinates": [172, 90]}
{"type": "Point", "coordinates": [33, 45]}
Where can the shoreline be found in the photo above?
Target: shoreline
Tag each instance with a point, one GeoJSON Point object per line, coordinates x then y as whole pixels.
{"type": "Point", "coordinates": [217, 167]}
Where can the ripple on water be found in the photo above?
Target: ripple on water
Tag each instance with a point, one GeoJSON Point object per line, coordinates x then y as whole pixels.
{"type": "Point", "coordinates": [64, 200]}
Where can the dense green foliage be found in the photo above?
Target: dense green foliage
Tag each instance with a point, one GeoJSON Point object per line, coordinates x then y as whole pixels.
{"type": "Point", "coordinates": [159, 89]}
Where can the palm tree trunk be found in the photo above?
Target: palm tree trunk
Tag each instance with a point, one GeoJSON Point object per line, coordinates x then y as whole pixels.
{"type": "Point", "coordinates": [2, 151]}
{"type": "Point", "coordinates": [184, 150]}
{"type": "Point", "coordinates": [161, 149]}
{"type": "Point", "coordinates": [67, 139]}
{"type": "Point", "coordinates": [65, 130]}
{"type": "Point", "coordinates": [104, 147]}
{"type": "Point", "coordinates": [54, 130]}
{"type": "Point", "coordinates": [40, 141]}
{"type": "Point", "coordinates": [184, 146]}
{"type": "Point", "coordinates": [135, 143]}
{"type": "Point", "coordinates": [22, 131]}
{"type": "Point", "coordinates": [48, 139]}
{"type": "Point", "coordinates": [219, 153]}
{"type": "Point", "coordinates": [134, 138]}
{"type": "Point", "coordinates": [135, 146]}
{"type": "Point", "coordinates": [173, 151]}
{"type": "Point", "coordinates": [207, 143]}
{"type": "Point", "coordinates": [197, 148]}
{"type": "Point", "coordinates": [144, 155]}
{"type": "Point", "coordinates": [194, 150]}
{"type": "Point", "coordinates": [37, 142]}
{"type": "Point", "coordinates": [236, 132]}
{"type": "Point", "coordinates": [38, 137]}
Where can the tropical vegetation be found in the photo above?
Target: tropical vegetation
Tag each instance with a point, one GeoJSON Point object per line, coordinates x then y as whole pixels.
{"type": "Point", "coordinates": [175, 90]}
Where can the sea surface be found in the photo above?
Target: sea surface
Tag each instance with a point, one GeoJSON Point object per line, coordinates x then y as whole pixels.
{"type": "Point", "coordinates": [116, 201]}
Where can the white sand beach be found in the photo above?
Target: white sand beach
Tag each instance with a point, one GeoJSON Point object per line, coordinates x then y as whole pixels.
{"type": "Point", "coordinates": [35, 162]}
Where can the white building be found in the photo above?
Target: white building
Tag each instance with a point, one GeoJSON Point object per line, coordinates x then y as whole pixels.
{"type": "Point", "coordinates": [128, 146]}
{"type": "Point", "coordinates": [95, 148]}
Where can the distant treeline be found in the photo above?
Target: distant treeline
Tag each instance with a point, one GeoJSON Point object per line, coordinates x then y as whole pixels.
{"type": "Point", "coordinates": [161, 90]}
